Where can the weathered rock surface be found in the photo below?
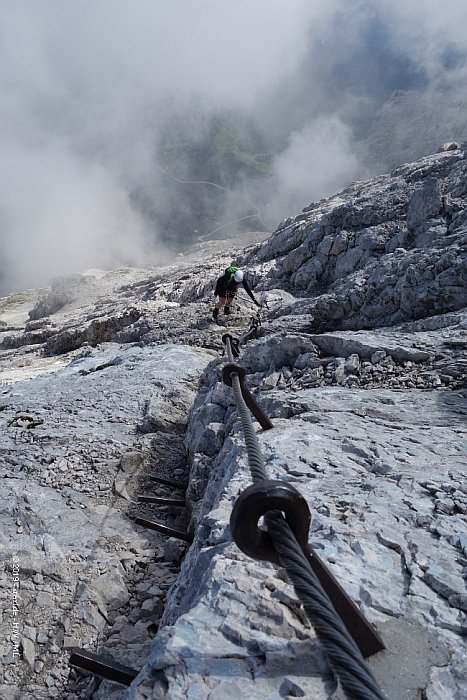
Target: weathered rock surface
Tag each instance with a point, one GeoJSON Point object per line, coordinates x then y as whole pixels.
{"type": "Point", "coordinates": [351, 453]}
{"type": "Point", "coordinates": [379, 253]}
{"type": "Point", "coordinates": [369, 424]}
{"type": "Point", "coordinates": [69, 452]}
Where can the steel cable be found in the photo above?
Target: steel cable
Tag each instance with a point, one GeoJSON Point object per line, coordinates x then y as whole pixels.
{"type": "Point", "coordinates": [229, 349]}
{"type": "Point", "coordinates": [255, 457]}
{"type": "Point", "coordinates": [344, 656]}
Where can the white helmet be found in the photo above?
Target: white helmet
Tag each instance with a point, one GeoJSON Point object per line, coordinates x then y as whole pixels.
{"type": "Point", "coordinates": [238, 276]}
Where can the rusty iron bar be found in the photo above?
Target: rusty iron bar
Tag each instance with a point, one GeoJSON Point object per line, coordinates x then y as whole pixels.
{"type": "Point", "coordinates": [162, 500]}
{"type": "Point", "coordinates": [252, 331]}
{"type": "Point", "coordinates": [103, 667]}
{"type": "Point", "coordinates": [165, 529]}
{"type": "Point", "coordinates": [346, 635]}
{"type": "Point", "coordinates": [169, 482]}
{"type": "Point", "coordinates": [266, 496]}
{"type": "Point", "coordinates": [257, 411]}
{"type": "Point", "coordinates": [233, 369]}
{"type": "Point", "coordinates": [363, 633]}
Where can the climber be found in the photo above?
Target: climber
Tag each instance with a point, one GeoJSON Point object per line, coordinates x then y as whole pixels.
{"type": "Point", "coordinates": [226, 289]}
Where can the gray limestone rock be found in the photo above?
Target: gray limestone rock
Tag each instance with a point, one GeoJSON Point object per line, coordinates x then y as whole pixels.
{"type": "Point", "coordinates": [174, 549]}
{"type": "Point", "coordinates": [352, 363]}
{"type": "Point", "coordinates": [276, 351]}
{"type": "Point", "coordinates": [345, 344]}
{"type": "Point", "coordinates": [29, 653]}
{"type": "Point", "coordinates": [358, 361]}
{"type": "Point", "coordinates": [425, 203]}
{"type": "Point", "coordinates": [100, 330]}
{"type": "Point", "coordinates": [63, 291]}
{"type": "Point", "coordinates": [8, 692]}
{"type": "Point", "coordinates": [112, 588]}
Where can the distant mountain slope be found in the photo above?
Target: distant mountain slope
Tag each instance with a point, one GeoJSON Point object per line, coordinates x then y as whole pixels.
{"type": "Point", "coordinates": [412, 124]}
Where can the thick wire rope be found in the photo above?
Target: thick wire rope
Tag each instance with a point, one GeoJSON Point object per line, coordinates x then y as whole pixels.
{"type": "Point", "coordinates": [255, 457]}
{"type": "Point", "coordinates": [345, 657]}
{"type": "Point", "coordinates": [229, 351]}
{"type": "Point", "coordinates": [358, 683]}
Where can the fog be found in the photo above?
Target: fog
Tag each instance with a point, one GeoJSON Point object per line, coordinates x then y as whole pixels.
{"type": "Point", "coordinates": [130, 130]}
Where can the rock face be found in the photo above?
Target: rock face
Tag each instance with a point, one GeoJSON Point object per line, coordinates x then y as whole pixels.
{"type": "Point", "coordinates": [360, 364]}
{"type": "Point", "coordinates": [381, 252]}
{"type": "Point", "coordinates": [70, 462]}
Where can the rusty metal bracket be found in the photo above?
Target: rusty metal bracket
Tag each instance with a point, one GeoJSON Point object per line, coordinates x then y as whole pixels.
{"type": "Point", "coordinates": [165, 529]}
{"type": "Point", "coordinates": [266, 496]}
{"type": "Point", "coordinates": [256, 410]}
{"type": "Point", "coordinates": [252, 332]}
{"type": "Point", "coordinates": [162, 500]}
{"type": "Point", "coordinates": [169, 482]}
{"type": "Point", "coordinates": [103, 667]}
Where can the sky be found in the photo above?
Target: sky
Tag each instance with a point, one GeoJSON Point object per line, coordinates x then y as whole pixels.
{"type": "Point", "coordinates": [89, 90]}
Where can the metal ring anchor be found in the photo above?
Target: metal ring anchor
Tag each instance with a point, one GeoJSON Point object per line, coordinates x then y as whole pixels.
{"type": "Point", "coordinates": [256, 501]}
{"type": "Point", "coordinates": [267, 496]}
{"type": "Point", "coordinates": [230, 369]}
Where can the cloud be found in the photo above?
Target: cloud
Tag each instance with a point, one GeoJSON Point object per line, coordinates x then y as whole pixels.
{"type": "Point", "coordinates": [86, 91]}
{"type": "Point", "coordinates": [432, 35]}
{"type": "Point", "coordinates": [106, 108]}
{"type": "Point", "coordinates": [318, 160]}
{"type": "Point", "coordinates": [64, 215]}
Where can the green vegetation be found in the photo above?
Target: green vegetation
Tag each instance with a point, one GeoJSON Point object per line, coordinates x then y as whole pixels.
{"type": "Point", "coordinates": [230, 142]}
{"type": "Point", "coordinates": [227, 148]}
{"type": "Point", "coordinates": [205, 158]}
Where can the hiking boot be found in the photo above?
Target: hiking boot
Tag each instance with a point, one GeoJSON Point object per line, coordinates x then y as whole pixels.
{"type": "Point", "coordinates": [227, 310]}
{"type": "Point", "coordinates": [215, 314]}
